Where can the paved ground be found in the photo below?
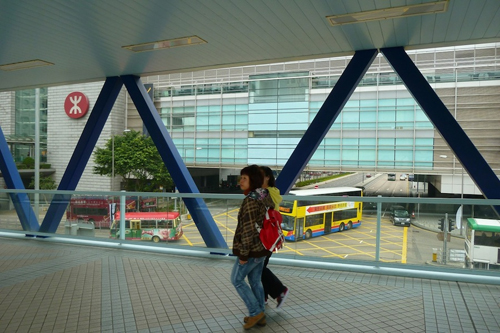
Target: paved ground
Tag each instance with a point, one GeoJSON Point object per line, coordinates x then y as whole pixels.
{"type": "Point", "coordinates": [51, 287]}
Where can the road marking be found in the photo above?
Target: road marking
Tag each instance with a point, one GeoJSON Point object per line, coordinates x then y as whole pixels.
{"type": "Point", "coordinates": [187, 240]}
{"type": "Point", "coordinates": [405, 246]}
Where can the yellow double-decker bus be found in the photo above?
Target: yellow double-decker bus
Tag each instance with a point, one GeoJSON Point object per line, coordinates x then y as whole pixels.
{"type": "Point", "coordinates": [303, 219]}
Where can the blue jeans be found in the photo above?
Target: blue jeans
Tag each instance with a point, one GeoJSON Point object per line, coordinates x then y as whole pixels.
{"type": "Point", "coordinates": [253, 295]}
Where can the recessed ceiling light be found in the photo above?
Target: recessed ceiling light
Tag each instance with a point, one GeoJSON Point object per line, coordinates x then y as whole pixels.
{"type": "Point", "coordinates": [165, 44]}
{"type": "Point", "coordinates": [389, 13]}
{"type": "Point", "coordinates": [24, 65]}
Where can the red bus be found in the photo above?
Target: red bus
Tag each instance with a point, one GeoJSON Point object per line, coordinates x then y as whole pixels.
{"type": "Point", "coordinates": [97, 209]}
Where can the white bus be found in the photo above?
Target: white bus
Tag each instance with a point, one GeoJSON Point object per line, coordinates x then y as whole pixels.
{"type": "Point", "coordinates": [482, 243]}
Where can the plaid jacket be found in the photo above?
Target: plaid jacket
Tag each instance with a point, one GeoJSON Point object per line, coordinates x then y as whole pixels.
{"type": "Point", "coordinates": [246, 242]}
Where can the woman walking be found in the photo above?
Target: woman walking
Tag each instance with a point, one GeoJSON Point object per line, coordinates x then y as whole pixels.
{"type": "Point", "coordinates": [247, 245]}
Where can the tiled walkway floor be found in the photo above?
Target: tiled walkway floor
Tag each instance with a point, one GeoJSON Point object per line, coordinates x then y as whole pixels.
{"type": "Point", "coordinates": [51, 287]}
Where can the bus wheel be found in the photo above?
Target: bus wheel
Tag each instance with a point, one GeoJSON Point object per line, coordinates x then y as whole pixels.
{"type": "Point", "coordinates": [308, 234]}
{"type": "Point", "coordinates": [156, 239]}
{"type": "Point", "coordinates": [341, 227]}
{"type": "Point", "coordinates": [349, 225]}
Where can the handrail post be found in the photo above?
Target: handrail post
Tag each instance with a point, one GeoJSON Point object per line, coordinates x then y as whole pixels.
{"type": "Point", "coordinates": [122, 215]}
{"type": "Point", "coordinates": [379, 223]}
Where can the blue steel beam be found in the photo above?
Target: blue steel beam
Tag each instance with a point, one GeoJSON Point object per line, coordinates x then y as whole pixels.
{"type": "Point", "coordinates": [82, 153]}
{"type": "Point", "coordinates": [463, 148]}
{"type": "Point", "coordinates": [326, 116]}
{"type": "Point", "coordinates": [21, 201]}
{"type": "Point", "coordinates": [172, 159]}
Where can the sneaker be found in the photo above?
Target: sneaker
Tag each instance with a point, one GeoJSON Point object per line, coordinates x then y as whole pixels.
{"type": "Point", "coordinates": [252, 321]}
{"type": "Point", "coordinates": [262, 322]}
{"type": "Point", "coordinates": [281, 298]}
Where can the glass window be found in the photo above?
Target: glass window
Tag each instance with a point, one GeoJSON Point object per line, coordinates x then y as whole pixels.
{"type": "Point", "coordinates": [313, 220]}
{"type": "Point", "coordinates": [165, 224]}
{"type": "Point", "coordinates": [350, 117]}
{"type": "Point", "coordinates": [148, 224]}
{"type": "Point", "coordinates": [25, 123]}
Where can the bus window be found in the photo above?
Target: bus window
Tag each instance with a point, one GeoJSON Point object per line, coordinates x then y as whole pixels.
{"type": "Point", "coordinates": [166, 224]}
{"type": "Point", "coordinates": [313, 220]}
{"type": "Point", "coordinates": [148, 224]}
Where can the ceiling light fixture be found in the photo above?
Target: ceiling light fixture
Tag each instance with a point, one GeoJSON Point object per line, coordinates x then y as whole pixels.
{"type": "Point", "coordinates": [389, 13]}
{"type": "Point", "coordinates": [24, 65]}
{"type": "Point", "coordinates": [165, 44]}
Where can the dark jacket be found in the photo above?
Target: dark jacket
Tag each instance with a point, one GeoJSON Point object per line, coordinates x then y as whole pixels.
{"type": "Point", "coordinates": [246, 242]}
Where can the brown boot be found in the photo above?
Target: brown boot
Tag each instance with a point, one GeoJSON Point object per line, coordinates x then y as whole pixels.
{"type": "Point", "coordinates": [262, 322]}
{"type": "Point", "coordinates": [252, 321]}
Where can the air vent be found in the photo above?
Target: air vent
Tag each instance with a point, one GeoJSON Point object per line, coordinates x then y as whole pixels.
{"type": "Point", "coordinates": [24, 65]}
{"type": "Point", "coordinates": [165, 44]}
{"type": "Point", "coordinates": [389, 13]}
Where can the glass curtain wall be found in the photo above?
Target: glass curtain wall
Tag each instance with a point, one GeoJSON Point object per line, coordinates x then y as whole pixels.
{"type": "Point", "coordinates": [25, 125]}
{"type": "Point", "coordinates": [259, 114]}
{"type": "Point", "coordinates": [262, 120]}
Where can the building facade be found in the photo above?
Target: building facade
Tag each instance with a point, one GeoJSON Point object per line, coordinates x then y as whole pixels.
{"type": "Point", "coordinates": [224, 119]}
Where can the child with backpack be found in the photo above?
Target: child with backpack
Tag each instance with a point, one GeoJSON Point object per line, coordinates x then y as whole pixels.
{"type": "Point", "coordinates": [272, 285]}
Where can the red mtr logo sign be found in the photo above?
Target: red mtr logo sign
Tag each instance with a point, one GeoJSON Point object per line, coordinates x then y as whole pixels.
{"type": "Point", "coordinates": [76, 105]}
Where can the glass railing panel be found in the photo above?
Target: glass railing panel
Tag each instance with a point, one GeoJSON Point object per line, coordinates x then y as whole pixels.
{"type": "Point", "coordinates": [401, 231]}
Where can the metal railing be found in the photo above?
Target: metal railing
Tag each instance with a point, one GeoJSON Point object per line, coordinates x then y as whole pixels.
{"type": "Point", "coordinates": [376, 260]}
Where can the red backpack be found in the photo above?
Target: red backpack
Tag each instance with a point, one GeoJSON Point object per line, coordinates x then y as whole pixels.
{"type": "Point", "coordinates": [271, 234]}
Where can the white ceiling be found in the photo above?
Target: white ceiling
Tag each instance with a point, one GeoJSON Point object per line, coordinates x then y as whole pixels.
{"type": "Point", "coordinates": [84, 39]}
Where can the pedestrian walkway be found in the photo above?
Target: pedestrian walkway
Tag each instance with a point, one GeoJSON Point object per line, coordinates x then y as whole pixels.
{"type": "Point", "coordinates": [430, 222]}
{"type": "Point", "coordinates": [54, 287]}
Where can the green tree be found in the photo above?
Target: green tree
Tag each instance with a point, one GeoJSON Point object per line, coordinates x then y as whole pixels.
{"type": "Point", "coordinates": [137, 161]}
{"type": "Point", "coordinates": [45, 183]}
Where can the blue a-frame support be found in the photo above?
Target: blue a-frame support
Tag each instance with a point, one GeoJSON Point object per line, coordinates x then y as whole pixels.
{"type": "Point", "coordinates": [29, 221]}
{"type": "Point", "coordinates": [463, 148]}
{"type": "Point", "coordinates": [98, 117]}
{"type": "Point", "coordinates": [324, 119]}
{"type": "Point", "coordinates": [82, 153]}
{"type": "Point", "coordinates": [172, 159]}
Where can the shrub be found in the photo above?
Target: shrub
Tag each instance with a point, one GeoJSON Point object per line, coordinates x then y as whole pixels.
{"type": "Point", "coordinates": [29, 162]}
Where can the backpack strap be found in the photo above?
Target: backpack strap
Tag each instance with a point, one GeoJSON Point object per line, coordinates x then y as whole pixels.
{"type": "Point", "coordinates": [265, 218]}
